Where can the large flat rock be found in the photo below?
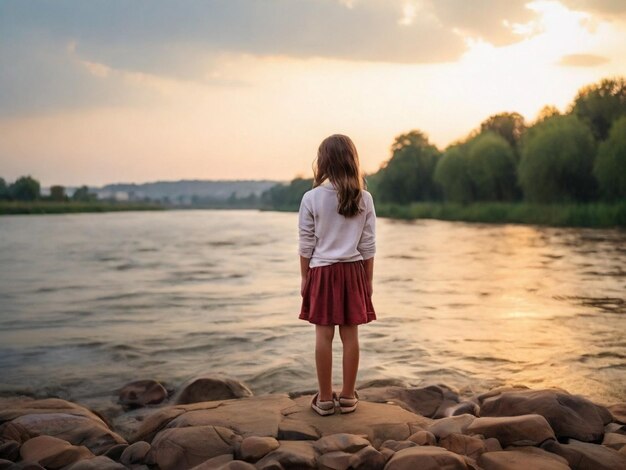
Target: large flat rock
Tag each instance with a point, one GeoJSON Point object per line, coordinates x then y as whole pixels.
{"type": "Point", "coordinates": [569, 415]}
{"type": "Point", "coordinates": [253, 416]}
{"type": "Point", "coordinates": [378, 421]}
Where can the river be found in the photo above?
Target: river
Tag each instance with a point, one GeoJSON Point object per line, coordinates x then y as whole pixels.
{"type": "Point", "coordinates": [89, 302]}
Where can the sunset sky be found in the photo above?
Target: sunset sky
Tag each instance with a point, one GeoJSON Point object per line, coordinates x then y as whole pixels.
{"type": "Point", "coordinates": [104, 91]}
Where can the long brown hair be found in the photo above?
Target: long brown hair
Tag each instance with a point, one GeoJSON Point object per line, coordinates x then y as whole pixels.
{"type": "Point", "coordinates": [338, 161]}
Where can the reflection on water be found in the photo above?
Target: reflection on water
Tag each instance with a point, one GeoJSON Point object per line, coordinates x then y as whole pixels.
{"type": "Point", "coordinates": [89, 302]}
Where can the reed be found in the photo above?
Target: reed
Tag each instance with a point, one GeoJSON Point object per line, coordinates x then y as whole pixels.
{"type": "Point", "coordinates": [60, 207]}
{"type": "Point", "coordinates": [597, 214]}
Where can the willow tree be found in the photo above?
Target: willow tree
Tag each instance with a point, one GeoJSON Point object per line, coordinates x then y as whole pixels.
{"type": "Point", "coordinates": [491, 167]}
{"type": "Point", "coordinates": [452, 175]}
{"type": "Point", "coordinates": [408, 175]}
{"type": "Point", "coordinates": [610, 165]}
{"type": "Point", "coordinates": [557, 161]}
{"type": "Point", "coordinates": [600, 104]}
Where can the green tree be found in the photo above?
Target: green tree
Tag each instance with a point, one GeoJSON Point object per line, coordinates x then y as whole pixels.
{"type": "Point", "coordinates": [610, 165]}
{"type": "Point", "coordinates": [25, 188]}
{"type": "Point", "coordinates": [599, 105]}
{"type": "Point", "coordinates": [4, 190]}
{"type": "Point", "coordinates": [408, 175]}
{"type": "Point", "coordinates": [451, 173]}
{"type": "Point", "coordinates": [83, 194]}
{"type": "Point", "coordinates": [287, 195]}
{"type": "Point", "coordinates": [546, 112]}
{"type": "Point", "coordinates": [491, 167]}
{"type": "Point", "coordinates": [57, 193]}
{"type": "Point", "coordinates": [557, 161]}
{"type": "Point", "coordinates": [510, 126]}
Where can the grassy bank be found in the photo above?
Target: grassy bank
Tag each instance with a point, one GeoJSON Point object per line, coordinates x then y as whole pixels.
{"type": "Point", "coordinates": [53, 207]}
{"type": "Point", "coordinates": [598, 215]}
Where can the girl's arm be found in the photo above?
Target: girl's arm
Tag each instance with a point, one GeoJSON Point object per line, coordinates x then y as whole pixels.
{"type": "Point", "coordinates": [369, 270]}
{"type": "Point", "coordinates": [304, 269]}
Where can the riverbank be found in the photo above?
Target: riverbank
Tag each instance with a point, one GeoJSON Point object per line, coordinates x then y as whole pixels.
{"type": "Point", "coordinates": [589, 215]}
{"type": "Point", "coordinates": [214, 422]}
{"type": "Point", "coordinates": [69, 207]}
{"type": "Point", "coordinates": [593, 215]}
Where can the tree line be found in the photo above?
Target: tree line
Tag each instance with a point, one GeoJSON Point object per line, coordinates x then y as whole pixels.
{"type": "Point", "coordinates": [27, 188]}
{"type": "Point", "coordinates": [575, 156]}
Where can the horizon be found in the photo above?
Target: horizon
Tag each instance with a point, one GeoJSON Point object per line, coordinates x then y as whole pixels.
{"type": "Point", "coordinates": [245, 91]}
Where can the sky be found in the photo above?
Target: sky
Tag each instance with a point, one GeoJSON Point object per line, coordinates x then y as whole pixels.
{"type": "Point", "coordinates": [102, 91]}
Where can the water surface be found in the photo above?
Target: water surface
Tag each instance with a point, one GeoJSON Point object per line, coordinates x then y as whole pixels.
{"type": "Point", "coordinates": [89, 302]}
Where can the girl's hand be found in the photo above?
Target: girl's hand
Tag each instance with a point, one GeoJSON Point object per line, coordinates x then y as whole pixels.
{"type": "Point", "coordinates": [302, 284]}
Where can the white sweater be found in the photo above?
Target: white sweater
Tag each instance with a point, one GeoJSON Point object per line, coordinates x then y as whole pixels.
{"type": "Point", "coordinates": [328, 237]}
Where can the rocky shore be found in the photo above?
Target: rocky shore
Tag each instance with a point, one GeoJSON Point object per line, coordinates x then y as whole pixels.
{"type": "Point", "coordinates": [216, 423]}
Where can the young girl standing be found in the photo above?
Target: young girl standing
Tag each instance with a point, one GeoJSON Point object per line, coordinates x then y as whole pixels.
{"type": "Point", "coordinates": [337, 243]}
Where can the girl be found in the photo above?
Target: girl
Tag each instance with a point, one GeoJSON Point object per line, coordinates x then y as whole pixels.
{"type": "Point", "coordinates": [337, 244]}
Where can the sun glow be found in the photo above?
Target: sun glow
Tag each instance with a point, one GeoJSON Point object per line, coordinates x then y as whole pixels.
{"type": "Point", "coordinates": [262, 116]}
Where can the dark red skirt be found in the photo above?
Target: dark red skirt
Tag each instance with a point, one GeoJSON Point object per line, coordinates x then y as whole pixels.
{"type": "Point", "coordinates": [337, 294]}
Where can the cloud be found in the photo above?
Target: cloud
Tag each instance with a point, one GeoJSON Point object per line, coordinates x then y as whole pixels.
{"type": "Point", "coordinates": [189, 39]}
{"type": "Point", "coordinates": [492, 20]}
{"type": "Point", "coordinates": [582, 60]}
{"type": "Point", "coordinates": [607, 8]}
{"type": "Point", "coordinates": [151, 34]}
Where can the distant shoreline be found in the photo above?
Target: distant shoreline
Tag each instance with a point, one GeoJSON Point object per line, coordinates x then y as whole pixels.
{"type": "Point", "coordinates": [583, 215]}
{"type": "Point", "coordinates": [70, 207]}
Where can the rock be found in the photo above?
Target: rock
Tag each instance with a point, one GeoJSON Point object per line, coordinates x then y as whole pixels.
{"type": "Point", "coordinates": [614, 440]}
{"type": "Point", "coordinates": [52, 452]}
{"type": "Point", "coordinates": [387, 453]}
{"type": "Point", "coordinates": [618, 412]}
{"type": "Point", "coordinates": [115, 452]}
{"type": "Point", "coordinates": [431, 401]}
{"type": "Point", "coordinates": [378, 422]}
{"type": "Point", "coordinates": [423, 438]}
{"type": "Point", "coordinates": [367, 458]}
{"type": "Point", "coordinates": [6, 464]}
{"type": "Point", "coordinates": [531, 429]}
{"type": "Point", "coordinates": [464, 445]}
{"type": "Point", "coordinates": [211, 388]}
{"type": "Point", "coordinates": [255, 447]}
{"type": "Point", "coordinates": [291, 430]}
{"type": "Point", "coordinates": [341, 441]}
{"type": "Point", "coordinates": [254, 416]}
{"type": "Point", "coordinates": [569, 415]}
{"type": "Point", "coordinates": [425, 458]}
{"type": "Point", "coordinates": [444, 426]}
{"type": "Point", "coordinates": [270, 465]}
{"type": "Point", "coordinates": [397, 445]}
{"type": "Point", "coordinates": [586, 456]}
{"type": "Point", "coordinates": [616, 428]}
{"type": "Point", "coordinates": [22, 465]}
{"type": "Point", "coordinates": [290, 454]}
{"type": "Point", "coordinates": [97, 463]}
{"type": "Point", "coordinates": [522, 458]}
{"type": "Point", "coordinates": [335, 460]}
{"type": "Point", "coordinates": [492, 444]}
{"type": "Point", "coordinates": [464, 407]}
{"type": "Point", "coordinates": [10, 450]}
{"type": "Point", "coordinates": [135, 453]}
{"type": "Point", "coordinates": [236, 465]}
{"type": "Point", "coordinates": [183, 448]}
{"type": "Point", "coordinates": [215, 462]}
{"type": "Point", "coordinates": [25, 418]}
{"type": "Point", "coordinates": [142, 393]}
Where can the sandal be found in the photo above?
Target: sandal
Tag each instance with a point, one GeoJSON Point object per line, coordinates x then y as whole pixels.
{"type": "Point", "coordinates": [323, 408]}
{"type": "Point", "coordinates": [348, 405]}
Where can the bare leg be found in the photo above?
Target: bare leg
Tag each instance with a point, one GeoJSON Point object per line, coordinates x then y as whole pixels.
{"type": "Point", "coordinates": [324, 360]}
{"type": "Point", "coordinates": [350, 339]}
